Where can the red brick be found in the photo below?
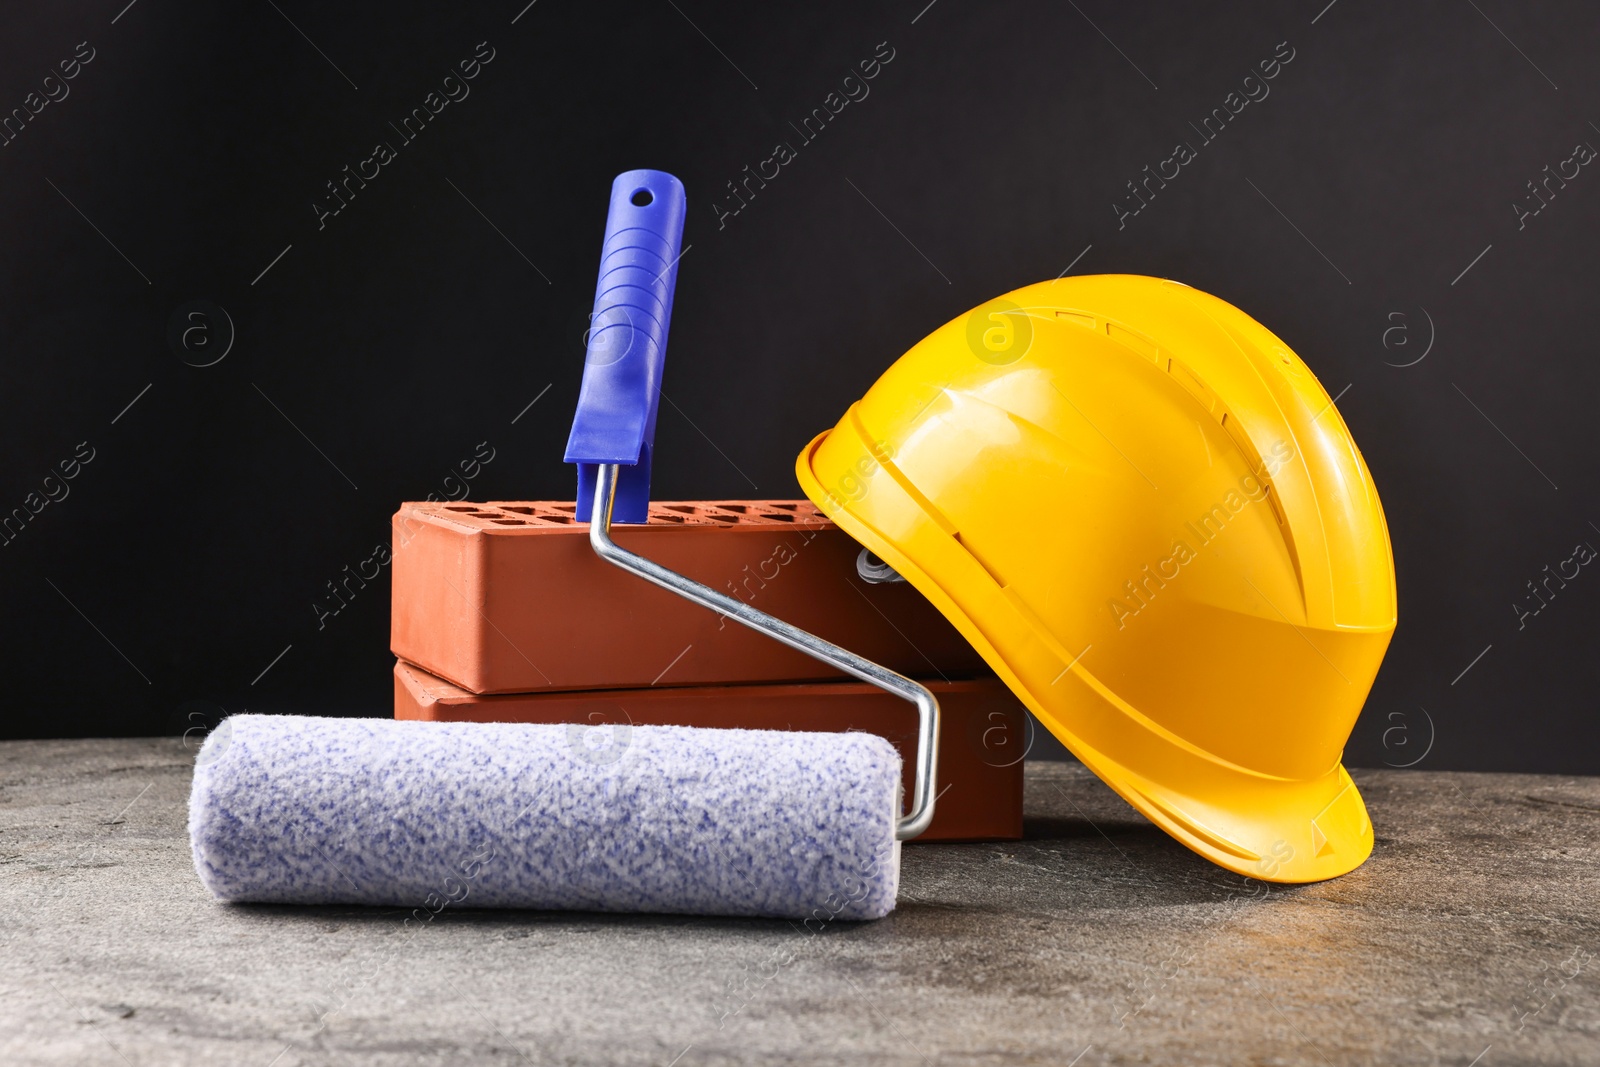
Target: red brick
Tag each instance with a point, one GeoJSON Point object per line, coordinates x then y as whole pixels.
{"type": "Point", "coordinates": [508, 597]}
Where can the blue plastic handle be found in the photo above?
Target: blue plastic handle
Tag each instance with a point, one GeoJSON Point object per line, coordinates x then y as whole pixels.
{"type": "Point", "coordinates": [616, 417]}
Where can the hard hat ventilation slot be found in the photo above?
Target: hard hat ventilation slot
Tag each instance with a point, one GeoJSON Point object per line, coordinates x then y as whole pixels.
{"type": "Point", "coordinates": [1247, 447]}
{"type": "Point", "coordinates": [1194, 384]}
{"type": "Point", "coordinates": [1134, 340]}
{"type": "Point", "coordinates": [1277, 512]}
{"type": "Point", "coordinates": [990, 571]}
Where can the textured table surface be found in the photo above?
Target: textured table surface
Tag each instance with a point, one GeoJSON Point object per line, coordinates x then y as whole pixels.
{"type": "Point", "coordinates": [1470, 937]}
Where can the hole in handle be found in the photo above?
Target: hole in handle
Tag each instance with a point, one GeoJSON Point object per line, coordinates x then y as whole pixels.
{"type": "Point", "coordinates": [642, 198]}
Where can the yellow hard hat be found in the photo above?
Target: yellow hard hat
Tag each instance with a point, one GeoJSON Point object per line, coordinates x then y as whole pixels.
{"type": "Point", "coordinates": [1145, 512]}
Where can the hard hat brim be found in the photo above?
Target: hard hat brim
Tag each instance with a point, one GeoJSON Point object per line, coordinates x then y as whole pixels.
{"type": "Point", "coordinates": [1260, 826]}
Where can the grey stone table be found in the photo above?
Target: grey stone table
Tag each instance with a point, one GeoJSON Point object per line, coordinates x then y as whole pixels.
{"type": "Point", "coordinates": [1470, 937]}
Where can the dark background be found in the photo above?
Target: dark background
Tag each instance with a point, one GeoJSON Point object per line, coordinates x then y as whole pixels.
{"type": "Point", "coordinates": [377, 352]}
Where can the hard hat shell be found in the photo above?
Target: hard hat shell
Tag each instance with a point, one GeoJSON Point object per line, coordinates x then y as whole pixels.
{"type": "Point", "coordinates": [1145, 512]}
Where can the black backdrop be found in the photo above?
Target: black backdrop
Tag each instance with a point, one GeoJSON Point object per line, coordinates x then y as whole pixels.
{"type": "Point", "coordinates": [374, 349]}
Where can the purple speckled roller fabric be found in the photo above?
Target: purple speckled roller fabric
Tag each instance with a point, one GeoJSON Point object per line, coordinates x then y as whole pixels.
{"type": "Point", "coordinates": [293, 809]}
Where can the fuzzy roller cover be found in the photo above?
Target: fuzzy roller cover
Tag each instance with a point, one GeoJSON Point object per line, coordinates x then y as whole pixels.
{"type": "Point", "coordinates": [293, 809]}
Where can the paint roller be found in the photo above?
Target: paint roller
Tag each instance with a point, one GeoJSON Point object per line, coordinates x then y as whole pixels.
{"type": "Point", "coordinates": [310, 810]}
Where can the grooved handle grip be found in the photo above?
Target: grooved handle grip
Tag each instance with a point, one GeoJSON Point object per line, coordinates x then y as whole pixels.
{"type": "Point", "coordinates": [616, 417]}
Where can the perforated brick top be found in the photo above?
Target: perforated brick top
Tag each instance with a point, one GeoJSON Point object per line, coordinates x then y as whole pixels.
{"type": "Point", "coordinates": [500, 515]}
